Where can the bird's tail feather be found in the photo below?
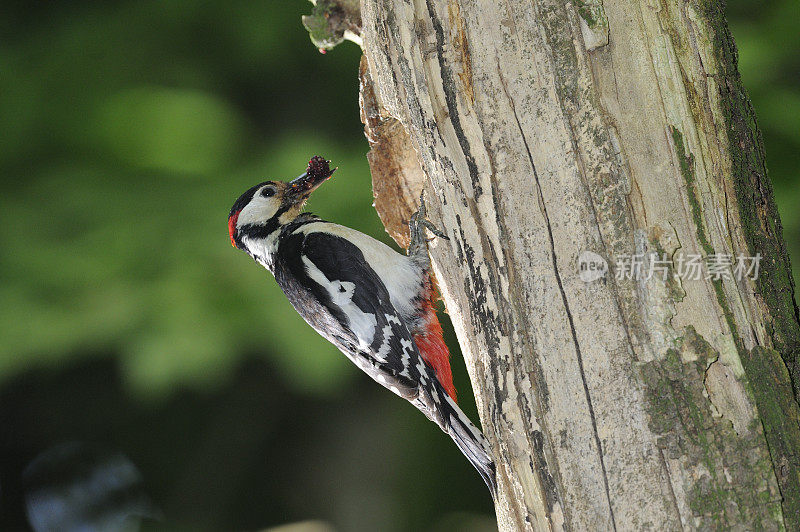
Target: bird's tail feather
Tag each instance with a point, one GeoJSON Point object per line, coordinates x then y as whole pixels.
{"type": "Point", "coordinates": [472, 444]}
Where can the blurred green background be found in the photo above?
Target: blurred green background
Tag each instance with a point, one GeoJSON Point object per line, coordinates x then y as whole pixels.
{"type": "Point", "coordinates": [128, 130]}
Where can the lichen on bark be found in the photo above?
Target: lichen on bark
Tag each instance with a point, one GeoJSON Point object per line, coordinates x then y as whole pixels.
{"type": "Point", "coordinates": [716, 463]}
{"type": "Point", "coordinates": [758, 220]}
{"type": "Point", "coordinates": [757, 209]}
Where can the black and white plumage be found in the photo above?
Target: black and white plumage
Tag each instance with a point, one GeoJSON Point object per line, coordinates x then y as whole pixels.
{"type": "Point", "coordinates": [358, 293]}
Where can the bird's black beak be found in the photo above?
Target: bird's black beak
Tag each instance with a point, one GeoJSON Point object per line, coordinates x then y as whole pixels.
{"type": "Point", "coordinates": [318, 172]}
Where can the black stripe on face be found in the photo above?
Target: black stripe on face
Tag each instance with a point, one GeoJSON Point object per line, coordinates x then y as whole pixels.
{"type": "Point", "coordinates": [264, 230]}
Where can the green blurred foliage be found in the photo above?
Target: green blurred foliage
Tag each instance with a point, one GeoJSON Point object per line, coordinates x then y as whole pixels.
{"type": "Point", "coordinates": [129, 128]}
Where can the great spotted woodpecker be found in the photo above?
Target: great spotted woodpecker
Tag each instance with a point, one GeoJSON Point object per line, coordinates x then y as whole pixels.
{"type": "Point", "coordinates": [371, 302]}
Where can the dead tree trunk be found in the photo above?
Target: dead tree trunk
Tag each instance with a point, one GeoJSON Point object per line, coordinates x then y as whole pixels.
{"type": "Point", "coordinates": [548, 129]}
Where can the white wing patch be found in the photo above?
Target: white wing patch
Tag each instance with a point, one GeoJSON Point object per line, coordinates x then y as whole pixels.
{"type": "Point", "coordinates": [341, 293]}
{"type": "Point", "coordinates": [402, 277]}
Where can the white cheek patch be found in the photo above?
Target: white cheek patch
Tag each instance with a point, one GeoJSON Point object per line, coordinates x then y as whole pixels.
{"type": "Point", "coordinates": [341, 293]}
{"type": "Point", "coordinates": [259, 210]}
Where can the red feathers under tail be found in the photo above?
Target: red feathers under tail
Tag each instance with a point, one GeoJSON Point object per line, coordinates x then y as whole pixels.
{"type": "Point", "coordinates": [432, 347]}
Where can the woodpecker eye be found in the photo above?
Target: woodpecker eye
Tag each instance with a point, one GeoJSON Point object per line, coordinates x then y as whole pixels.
{"type": "Point", "coordinates": [268, 192]}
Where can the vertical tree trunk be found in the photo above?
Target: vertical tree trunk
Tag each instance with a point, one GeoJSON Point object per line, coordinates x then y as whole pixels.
{"type": "Point", "coordinates": [548, 129]}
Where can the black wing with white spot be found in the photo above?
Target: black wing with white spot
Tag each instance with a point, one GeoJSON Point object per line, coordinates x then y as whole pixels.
{"type": "Point", "coordinates": [357, 314]}
{"type": "Point", "coordinates": [333, 287]}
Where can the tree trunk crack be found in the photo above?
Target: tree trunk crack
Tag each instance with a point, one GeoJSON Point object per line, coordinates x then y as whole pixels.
{"type": "Point", "coordinates": [567, 310]}
{"type": "Point", "coordinates": [671, 488]}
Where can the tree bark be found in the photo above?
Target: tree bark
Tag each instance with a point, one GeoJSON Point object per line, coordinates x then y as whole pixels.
{"type": "Point", "coordinates": [547, 129]}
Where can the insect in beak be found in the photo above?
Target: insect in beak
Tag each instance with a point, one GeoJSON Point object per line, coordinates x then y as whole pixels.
{"type": "Point", "coordinates": [318, 172]}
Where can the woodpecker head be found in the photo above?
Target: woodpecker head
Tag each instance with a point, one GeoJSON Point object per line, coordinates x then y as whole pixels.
{"type": "Point", "coordinates": [268, 206]}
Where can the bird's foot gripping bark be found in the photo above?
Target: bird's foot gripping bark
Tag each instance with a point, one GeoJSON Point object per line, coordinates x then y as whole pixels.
{"type": "Point", "coordinates": [418, 248]}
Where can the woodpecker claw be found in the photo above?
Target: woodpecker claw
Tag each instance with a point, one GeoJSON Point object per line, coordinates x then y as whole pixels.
{"type": "Point", "coordinates": [432, 228]}
{"type": "Point", "coordinates": [416, 228]}
{"type": "Point", "coordinates": [422, 210]}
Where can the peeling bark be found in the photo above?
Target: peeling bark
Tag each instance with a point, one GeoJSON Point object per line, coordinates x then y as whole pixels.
{"type": "Point", "coordinates": [396, 176]}
{"type": "Point", "coordinates": [547, 129]}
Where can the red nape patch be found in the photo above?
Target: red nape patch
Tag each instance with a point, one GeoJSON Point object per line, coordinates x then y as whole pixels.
{"type": "Point", "coordinates": [433, 349]}
{"type": "Point", "coordinates": [232, 226]}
